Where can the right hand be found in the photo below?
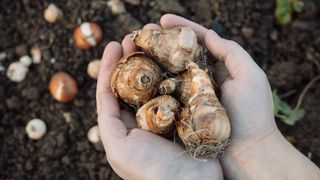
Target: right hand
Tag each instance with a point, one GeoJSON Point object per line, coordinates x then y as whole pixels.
{"type": "Point", "coordinates": [257, 149]}
{"type": "Point", "coordinates": [246, 92]}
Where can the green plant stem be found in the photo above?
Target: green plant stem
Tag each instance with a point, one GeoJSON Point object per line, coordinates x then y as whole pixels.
{"type": "Point", "coordinates": [300, 99]}
{"type": "Point", "coordinates": [281, 116]}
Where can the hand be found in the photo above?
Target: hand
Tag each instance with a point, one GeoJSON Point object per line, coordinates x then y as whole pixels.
{"type": "Point", "coordinates": [257, 149]}
{"type": "Point", "coordinates": [134, 153]}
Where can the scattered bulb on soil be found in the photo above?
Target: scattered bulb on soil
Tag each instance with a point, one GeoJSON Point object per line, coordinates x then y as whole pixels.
{"type": "Point", "coordinates": [3, 56]}
{"type": "Point", "coordinates": [116, 6]}
{"type": "Point", "coordinates": [17, 71]}
{"type": "Point", "coordinates": [35, 129]}
{"type": "Point", "coordinates": [93, 68]}
{"type": "Point", "coordinates": [87, 35]}
{"type": "Point", "coordinates": [94, 134]}
{"type": "Point", "coordinates": [63, 87]}
{"type": "Point", "coordinates": [52, 13]}
{"type": "Point", "coordinates": [36, 55]}
{"type": "Point", "coordinates": [26, 60]}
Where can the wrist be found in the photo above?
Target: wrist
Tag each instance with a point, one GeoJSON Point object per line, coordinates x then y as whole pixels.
{"type": "Point", "coordinates": [244, 159]}
{"type": "Point", "coordinates": [196, 169]}
{"type": "Point", "coordinates": [272, 157]}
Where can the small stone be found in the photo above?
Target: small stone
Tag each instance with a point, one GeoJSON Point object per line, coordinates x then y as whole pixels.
{"type": "Point", "coordinates": [116, 6]}
{"type": "Point", "coordinates": [66, 160]}
{"type": "Point", "coordinates": [247, 32]}
{"type": "Point", "coordinates": [94, 134]}
{"type": "Point", "coordinates": [133, 2]}
{"type": "Point", "coordinates": [35, 129]}
{"type": "Point", "coordinates": [67, 117]}
{"type": "Point", "coordinates": [26, 60]}
{"type": "Point", "coordinates": [93, 68]}
{"type": "Point", "coordinates": [3, 56]}
{"type": "Point", "coordinates": [274, 35]}
{"type": "Point", "coordinates": [17, 71]}
{"type": "Point", "coordinates": [52, 60]}
{"type": "Point", "coordinates": [169, 6]}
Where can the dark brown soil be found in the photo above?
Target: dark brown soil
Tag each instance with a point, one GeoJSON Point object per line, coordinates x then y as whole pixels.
{"type": "Point", "coordinates": [289, 55]}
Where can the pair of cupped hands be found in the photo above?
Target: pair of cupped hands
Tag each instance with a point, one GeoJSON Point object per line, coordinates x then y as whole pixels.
{"type": "Point", "coordinates": [256, 144]}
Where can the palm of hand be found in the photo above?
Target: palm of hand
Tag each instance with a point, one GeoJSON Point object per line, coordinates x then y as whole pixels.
{"type": "Point", "coordinates": [137, 154]}
{"type": "Point", "coordinates": [148, 156]}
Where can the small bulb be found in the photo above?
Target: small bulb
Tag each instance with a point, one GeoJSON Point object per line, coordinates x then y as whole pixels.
{"type": "Point", "coordinates": [87, 35]}
{"type": "Point", "coordinates": [94, 134]}
{"type": "Point", "coordinates": [93, 68]}
{"type": "Point", "coordinates": [116, 6]}
{"type": "Point", "coordinates": [36, 55]}
{"type": "Point", "coordinates": [63, 87]}
{"type": "Point", "coordinates": [52, 13]}
{"type": "Point", "coordinates": [17, 71]}
{"type": "Point", "coordinates": [36, 128]}
{"type": "Point", "coordinates": [26, 60]}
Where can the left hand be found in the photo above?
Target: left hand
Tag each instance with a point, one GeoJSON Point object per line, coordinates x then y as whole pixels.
{"type": "Point", "coordinates": [134, 153]}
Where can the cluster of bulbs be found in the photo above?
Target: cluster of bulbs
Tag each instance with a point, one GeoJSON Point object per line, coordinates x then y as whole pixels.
{"type": "Point", "coordinates": [63, 87]}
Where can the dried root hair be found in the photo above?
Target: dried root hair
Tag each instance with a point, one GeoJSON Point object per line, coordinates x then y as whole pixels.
{"type": "Point", "coordinates": [203, 149]}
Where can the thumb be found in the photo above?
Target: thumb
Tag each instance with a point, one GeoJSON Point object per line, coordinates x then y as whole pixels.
{"type": "Point", "coordinates": [237, 61]}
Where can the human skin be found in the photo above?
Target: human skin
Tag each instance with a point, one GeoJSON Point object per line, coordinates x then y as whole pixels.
{"type": "Point", "coordinates": [257, 149]}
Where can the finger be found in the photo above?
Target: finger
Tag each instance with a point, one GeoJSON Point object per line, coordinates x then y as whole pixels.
{"type": "Point", "coordinates": [108, 108]}
{"type": "Point", "coordinates": [147, 148]}
{"type": "Point", "coordinates": [128, 119]}
{"type": "Point", "coordinates": [112, 53]}
{"type": "Point", "coordinates": [151, 26]}
{"type": "Point", "coordinates": [128, 46]}
{"type": "Point", "coordinates": [237, 60]}
{"type": "Point", "coordinates": [169, 20]}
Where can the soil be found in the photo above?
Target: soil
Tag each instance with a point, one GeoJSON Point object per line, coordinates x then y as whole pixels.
{"type": "Point", "coordinates": [288, 54]}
